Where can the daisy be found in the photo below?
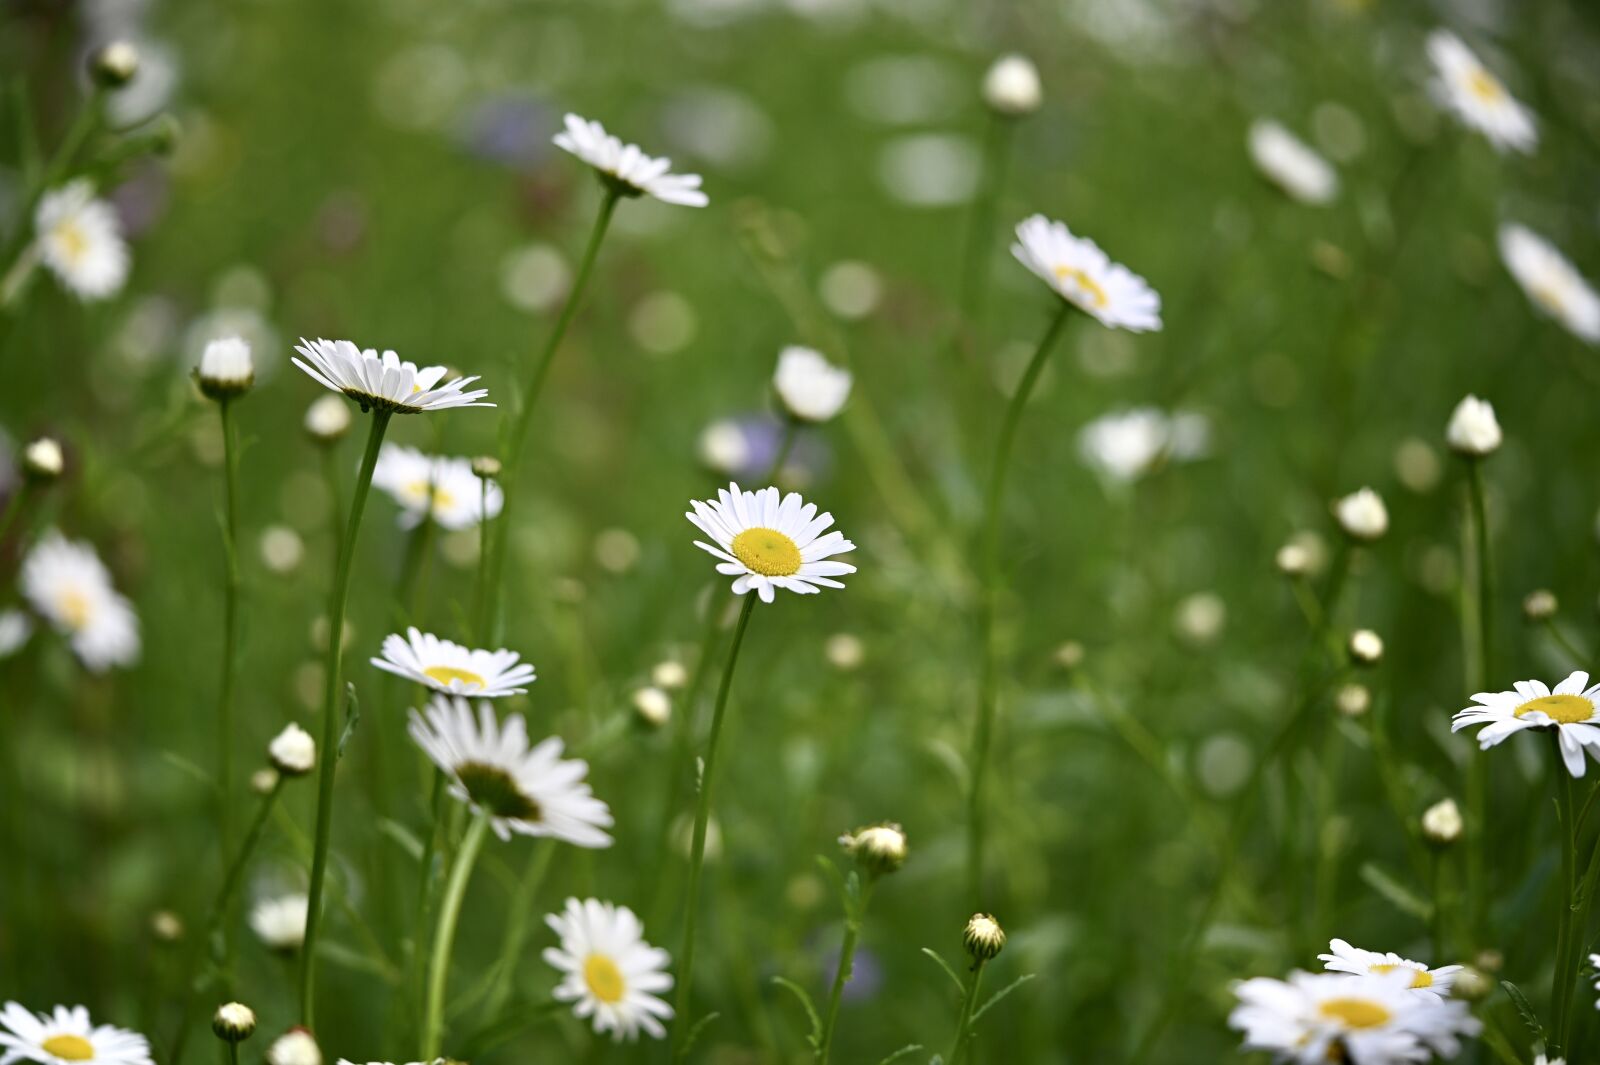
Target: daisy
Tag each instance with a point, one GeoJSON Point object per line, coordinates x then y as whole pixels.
{"type": "Point", "coordinates": [1291, 164]}
{"type": "Point", "coordinates": [280, 923]}
{"type": "Point", "coordinates": [1569, 709]}
{"type": "Point", "coordinates": [66, 582]}
{"type": "Point", "coordinates": [444, 488]}
{"type": "Point", "coordinates": [1463, 85]}
{"type": "Point", "coordinates": [626, 169]}
{"type": "Point", "coordinates": [449, 667]}
{"type": "Point", "coordinates": [1343, 958]}
{"type": "Point", "coordinates": [80, 240]}
{"type": "Point", "coordinates": [524, 789]}
{"type": "Point", "coordinates": [767, 544]}
{"type": "Point", "coordinates": [1085, 276]}
{"type": "Point", "coordinates": [610, 972]}
{"type": "Point", "coordinates": [1314, 1018]}
{"type": "Point", "coordinates": [810, 387]}
{"type": "Point", "coordinates": [384, 381]}
{"type": "Point", "coordinates": [1551, 282]}
{"type": "Point", "coordinates": [64, 1036]}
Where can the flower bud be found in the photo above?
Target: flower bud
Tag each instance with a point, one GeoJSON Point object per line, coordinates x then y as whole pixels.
{"type": "Point", "coordinates": [669, 674]}
{"type": "Point", "coordinates": [1293, 560]}
{"type": "Point", "coordinates": [263, 780]}
{"type": "Point", "coordinates": [1353, 700]}
{"type": "Point", "coordinates": [1473, 985]}
{"type": "Point", "coordinates": [294, 1047]}
{"type": "Point", "coordinates": [293, 752]}
{"type": "Point", "coordinates": [1011, 86]}
{"type": "Point", "coordinates": [226, 369]}
{"type": "Point", "coordinates": [114, 64]}
{"type": "Point", "coordinates": [1362, 515]}
{"type": "Point", "coordinates": [1540, 605]}
{"type": "Point", "coordinates": [653, 706]}
{"type": "Point", "coordinates": [328, 418]}
{"type": "Point", "coordinates": [234, 1022]}
{"type": "Point", "coordinates": [1473, 430]}
{"type": "Point", "coordinates": [1069, 655]}
{"type": "Point", "coordinates": [844, 651]}
{"type": "Point", "coordinates": [810, 387]}
{"type": "Point", "coordinates": [983, 938]}
{"type": "Point", "coordinates": [1365, 647]}
{"type": "Point", "coordinates": [1441, 823]}
{"type": "Point", "coordinates": [42, 460]}
{"type": "Point", "coordinates": [878, 849]}
{"type": "Point", "coordinates": [166, 926]}
{"type": "Point", "coordinates": [487, 467]}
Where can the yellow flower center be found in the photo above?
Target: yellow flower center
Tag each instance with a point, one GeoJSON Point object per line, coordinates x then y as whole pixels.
{"type": "Point", "coordinates": [1419, 977]}
{"type": "Point", "coordinates": [1355, 1012]}
{"type": "Point", "coordinates": [425, 491]}
{"type": "Point", "coordinates": [445, 674]}
{"type": "Point", "coordinates": [74, 607]}
{"type": "Point", "coordinates": [767, 552]}
{"type": "Point", "coordinates": [1485, 86]}
{"type": "Point", "coordinates": [604, 978]}
{"type": "Point", "coordinates": [1563, 709]}
{"type": "Point", "coordinates": [1087, 289]}
{"type": "Point", "coordinates": [74, 242]}
{"type": "Point", "coordinates": [68, 1047]}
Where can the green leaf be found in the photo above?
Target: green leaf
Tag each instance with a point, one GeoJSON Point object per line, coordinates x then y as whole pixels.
{"type": "Point", "coordinates": [830, 869]}
{"type": "Point", "coordinates": [902, 1052]}
{"type": "Point", "coordinates": [1529, 1018]}
{"type": "Point", "coordinates": [1000, 994]}
{"type": "Point", "coordinates": [955, 978]}
{"type": "Point", "coordinates": [179, 762]}
{"type": "Point", "coordinates": [403, 836]}
{"type": "Point", "coordinates": [351, 718]}
{"type": "Point", "coordinates": [1400, 897]}
{"type": "Point", "coordinates": [694, 1033]}
{"type": "Point", "coordinates": [815, 1038]}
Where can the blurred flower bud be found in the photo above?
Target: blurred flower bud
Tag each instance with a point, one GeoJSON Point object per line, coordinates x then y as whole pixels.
{"type": "Point", "coordinates": [983, 938]}
{"type": "Point", "coordinates": [113, 65]}
{"type": "Point", "coordinates": [487, 467]}
{"type": "Point", "coordinates": [810, 387]}
{"type": "Point", "coordinates": [293, 752]}
{"type": "Point", "coordinates": [1011, 86]}
{"type": "Point", "coordinates": [166, 926]}
{"type": "Point", "coordinates": [42, 459]}
{"type": "Point", "coordinates": [294, 1047]}
{"type": "Point", "coordinates": [263, 780]}
{"type": "Point", "coordinates": [1441, 823]}
{"type": "Point", "coordinates": [669, 674]}
{"type": "Point", "coordinates": [1473, 430]}
{"type": "Point", "coordinates": [653, 706]}
{"type": "Point", "coordinates": [1366, 647]}
{"type": "Point", "coordinates": [1540, 605]}
{"type": "Point", "coordinates": [878, 849]}
{"type": "Point", "coordinates": [1473, 985]}
{"type": "Point", "coordinates": [1362, 515]}
{"type": "Point", "coordinates": [844, 651]}
{"type": "Point", "coordinates": [1069, 655]}
{"type": "Point", "coordinates": [1293, 560]}
{"type": "Point", "coordinates": [234, 1022]}
{"type": "Point", "coordinates": [226, 369]}
{"type": "Point", "coordinates": [1353, 700]}
{"type": "Point", "coordinates": [328, 418]}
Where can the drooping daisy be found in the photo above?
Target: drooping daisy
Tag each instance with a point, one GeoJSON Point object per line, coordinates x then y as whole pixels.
{"type": "Point", "coordinates": [1343, 958]}
{"type": "Point", "coordinates": [627, 169]}
{"type": "Point", "coordinates": [66, 582]}
{"type": "Point", "coordinates": [766, 543]}
{"type": "Point", "coordinates": [439, 486]}
{"type": "Point", "coordinates": [1085, 276]}
{"type": "Point", "coordinates": [1569, 709]}
{"type": "Point", "coordinates": [1463, 85]}
{"type": "Point", "coordinates": [280, 922]}
{"type": "Point", "coordinates": [529, 790]}
{"type": "Point", "coordinates": [80, 240]}
{"type": "Point", "coordinates": [65, 1036]}
{"type": "Point", "coordinates": [384, 381]}
{"type": "Point", "coordinates": [1315, 1018]}
{"type": "Point", "coordinates": [609, 971]}
{"type": "Point", "coordinates": [449, 667]}
{"type": "Point", "coordinates": [1291, 164]}
{"type": "Point", "coordinates": [1552, 283]}
{"type": "Point", "coordinates": [810, 387]}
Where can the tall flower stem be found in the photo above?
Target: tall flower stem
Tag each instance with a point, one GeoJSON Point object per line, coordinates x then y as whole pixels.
{"type": "Point", "coordinates": [964, 1025]}
{"type": "Point", "coordinates": [854, 915]}
{"type": "Point", "coordinates": [1477, 784]}
{"type": "Point", "coordinates": [14, 508]}
{"type": "Point", "coordinates": [975, 261]}
{"type": "Point", "coordinates": [492, 622]}
{"type": "Point", "coordinates": [444, 935]}
{"type": "Point", "coordinates": [332, 670]}
{"type": "Point", "coordinates": [230, 619]}
{"type": "Point", "coordinates": [697, 853]}
{"type": "Point", "coordinates": [1568, 939]}
{"type": "Point", "coordinates": [983, 726]}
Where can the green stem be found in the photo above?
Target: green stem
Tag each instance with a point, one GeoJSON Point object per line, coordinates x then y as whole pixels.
{"type": "Point", "coordinates": [330, 713]}
{"type": "Point", "coordinates": [14, 508]}
{"type": "Point", "coordinates": [480, 582]}
{"type": "Point", "coordinates": [702, 815]}
{"type": "Point", "coordinates": [444, 935]}
{"type": "Point", "coordinates": [492, 621]}
{"type": "Point", "coordinates": [230, 620]}
{"type": "Point", "coordinates": [1566, 940]}
{"type": "Point", "coordinates": [1573, 652]}
{"type": "Point", "coordinates": [983, 727]}
{"type": "Point", "coordinates": [233, 1053]}
{"type": "Point", "coordinates": [415, 985]}
{"type": "Point", "coordinates": [975, 263]}
{"type": "Point", "coordinates": [1477, 784]}
{"type": "Point", "coordinates": [517, 927]}
{"type": "Point", "coordinates": [965, 1022]}
{"type": "Point", "coordinates": [841, 976]}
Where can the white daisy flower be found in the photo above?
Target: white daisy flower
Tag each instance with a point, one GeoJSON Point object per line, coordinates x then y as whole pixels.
{"type": "Point", "coordinates": [280, 922]}
{"type": "Point", "coordinates": [1551, 282]}
{"type": "Point", "coordinates": [810, 387]}
{"type": "Point", "coordinates": [442, 487]}
{"type": "Point", "coordinates": [1085, 276]}
{"type": "Point", "coordinates": [448, 667]}
{"type": "Point", "coordinates": [1291, 164]}
{"type": "Point", "coordinates": [80, 240]}
{"type": "Point", "coordinates": [609, 971]}
{"type": "Point", "coordinates": [1569, 709]}
{"type": "Point", "coordinates": [524, 789]}
{"type": "Point", "coordinates": [66, 1035]}
{"type": "Point", "coordinates": [768, 544]}
{"type": "Point", "coordinates": [1315, 1018]}
{"type": "Point", "coordinates": [66, 582]}
{"type": "Point", "coordinates": [1463, 85]}
{"type": "Point", "coordinates": [627, 169]}
{"type": "Point", "coordinates": [384, 381]}
{"type": "Point", "coordinates": [1343, 958]}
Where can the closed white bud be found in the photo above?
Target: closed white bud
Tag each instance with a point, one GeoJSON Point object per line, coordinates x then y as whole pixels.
{"type": "Point", "coordinates": [226, 368]}
{"type": "Point", "coordinates": [1441, 823]}
{"type": "Point", "coordinates": [1293, 560]}
{"type": "Point", "coordinates": [293, 752]}
{"type": "Point", "coordinates": [166, 926]}
{"type": "Point", "coordinates": [1473, 429]}
{"type": "Point", "coordinates": [1362, 515]}
{"type": "Point", "coordinates": [234, 1022]}
{"type": "Point", "coordinates": [113, 65]}
{"type": "Point", "coordinates": [653, 706]}
{"type": "Point", "coordinates": [487, 467]}
{"type": "Point", "coordinates": [983, 937]}
{"type": "Point", "coordinates": [810, 387]}
{"type": "Point", "coordinates": [1366, 647]}
{"type": "Point", "coordinates": [879, 849]}
{"type": "Point", "coordinates": [1353, 700]}
{"type": "Point", "coordinates": [669, 674]}
{"type": "Point", "coordinates": [328, 418]}
{"type": "Point", "coordinates": [1539, 605]}
{"type": "Point", "coordinates": [42, 460]}
{"type": "Point", "coordinates": [1011, 86]}
{"type": "Point", "coordinates": [294, 1047]}
{"type": "Point", "coordinates": [263, 780]}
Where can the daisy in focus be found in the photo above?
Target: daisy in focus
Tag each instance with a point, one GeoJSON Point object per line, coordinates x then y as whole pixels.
{"type": "Point", "coordinates": [1083, 275]}
{"type": "Point", "coordinates": [80, 240]}
{"type": "Point", "coordinates": [1569, 709]}
{"type": "Point", "coordinates": [66, 582]}
{"type": "Point", "coordinates": [1291, 164]}
{"type": "Point", "coordinates": [1343, 958]}
{"type": "Point", "coordinates": [448, 667]}
{"type": "Point", "coordinates": [608, 970]}
{"type": "Point", "coordinates": [1315, 1018]}
{"type": "Point", "coordinates": [441, 488]}
{"type": "Point", "coordinates": [384, 382]}
{"type": "Point", "coordinates": [1465, 87]}
{"type": "Point", "coordinates": [492, 768]}
{"type": "Point", "coordinates": [1551, 282]}
{"type": "Point", "coordinates": [64, 1036]}
{"type": "Point", "coordinates": [766, 543]}
{"type": "Point", "coordinates": [626, 169]}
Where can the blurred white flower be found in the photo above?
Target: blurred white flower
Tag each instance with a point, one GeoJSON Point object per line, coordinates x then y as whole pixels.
{"type": "Point", "coordinates": [1343, 958]}
{"type": "Point", "coordinates": [448, 667]}
{"type": "Point", "coordinates": [1313, 1018]}
{"type": "Point", "coordinates": [723, 448]}
{"type": "Point", "coordinates": [630, 170]}
{"type": "Point", "coordinates": [851, 289]}
{"type": "Point", "coordinates": [1362, 515]}
{"type": "Point", "coordinates": [149, 90]}
{"type": "Point", "coordinates": [766, 543]}
{"type": "Point", "coordinates": [1200, 618]}
{"type": "Point", "coordinates": [1291, 164]}
{"type": "Point", "coordinates": [15, 628]}
{"type": "Point", "coordinates": [1473, 428]}
{"type": "Point", "coordinates": [929, 169]}
{"type": "Point", "coordinates": [80, 240]}
{"type": "Point", "coordinates": [1125, 445]}
{"type": "Point", "coordinates": [384, 381]}
{"type": "Point", "coordinates": [608, 969]}
{"type": "Point", "coordinates": [810, 387]}
{"type": "Point", "coordinates": [534, 278]}
{"type": "Point", "coordinates": [327, 418]}
{"type": "Point", "coordinates": [281, 547]}
{"type": "Point", "coordinates": [1551, 282]}
{"type": "Point", "coordinates": [1078, 271]}
{"type": "Point", "coordinates": [280, 922]}
{"type": "Point", "coordinates": [294, 1047]}
{"type": "Point", "coordinates": [1442, 824]}
{"type": "Point", "coordinates": [70, 587]}
{"type": "Point", "coordinates": [653, 705]}
{"type": "Point", "coordinates": [1011, 86]}
{"type": "Point", "coordinates": [440, 487]}
{"type": "Point", "coordinates": [66, 1035]}
{"type": "Point", "coordinates": [1463, 85]}
{"type": "Point", "coordinates": [1569, 708]}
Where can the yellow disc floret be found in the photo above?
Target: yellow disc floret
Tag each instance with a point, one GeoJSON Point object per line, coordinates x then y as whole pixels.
{"type": "Point", "coordinates": [767, 552]}
{"type": "Point", "coordinates": [604, 978]}
{"type": "Point", "coordinates": [1355, 1012]}
{"type": "Point", "coordinates": [1564, 709]}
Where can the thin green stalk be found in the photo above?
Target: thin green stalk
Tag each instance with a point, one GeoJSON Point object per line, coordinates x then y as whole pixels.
{"type": "Point", "coordinates": [444, 935]}
{"type": "Point", "coordinates": [415, 984]}
{"type": "Point", "coordinates": [980, 235]}
{"type": "Point", "coordinates": [983, 727]}
{"type": "Point", "coordinates": [1477, 783]}
{"type": "Point", "coordinates": [964, 1025]}
{"type": "Point", "coordinates": [230, 620]}
{"type": "Point", "coordinates": [14, 508]}
{"type": "Point", "coordinates": [233, 1053]}
{"type": "Point", "coordinates": [493, 620]}
{"type": "Point", "coordinates": [1573, 652]}
{"type": "Point", "coordinates": [697, 855]}
{"type": "Point", "coordinates": [517, 927]}
{"type": "Point", "coordinates": [330, 713]}
{"type": "Point", "coordinates": [847, 952]}
{"type": "Point", "coordinates": [1567, 946]}
{"type": "Point", "coordinates": [480, 581]}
